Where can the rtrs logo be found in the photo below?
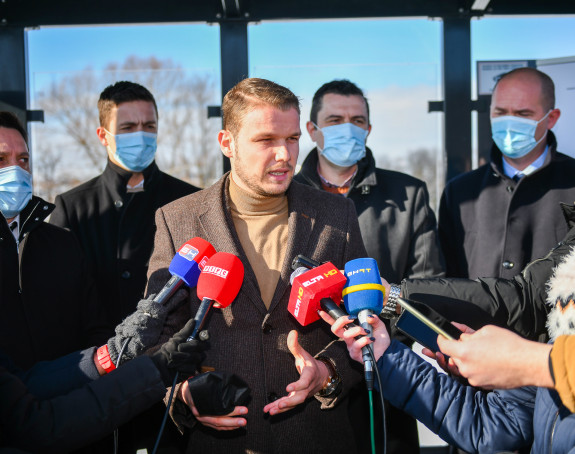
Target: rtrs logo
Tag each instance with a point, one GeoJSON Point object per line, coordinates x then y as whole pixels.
{"type": "Point", "coordinates": [313, 280]}
{"type": "Point", "coordinates": [361, 270]}
{"type": "Point", "coordinates": [202, 263]}
{"type": "Point", "coordinates": [216, 270]}
{"type": "Point", "coordinates": [188, 252]}
{"type": "Point", "coordinates": [297, 305]}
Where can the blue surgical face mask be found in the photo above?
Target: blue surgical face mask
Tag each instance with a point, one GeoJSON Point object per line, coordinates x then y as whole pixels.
{"type": "Point", "coordinates": [15, 190]}
{"type": "Point", "coordinates": [515, 136]}
{"type": "Point", "coordinates": [343, 144]}
{"type": "Point", "coordinates": [135, 150]}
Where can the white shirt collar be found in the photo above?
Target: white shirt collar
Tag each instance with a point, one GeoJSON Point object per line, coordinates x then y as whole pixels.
{"type": "Point", "coordinates": [511, 171]}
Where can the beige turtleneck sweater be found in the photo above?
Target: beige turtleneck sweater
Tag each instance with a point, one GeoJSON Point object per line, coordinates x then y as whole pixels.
{"type": "Point", "coordinates": [262, 226]}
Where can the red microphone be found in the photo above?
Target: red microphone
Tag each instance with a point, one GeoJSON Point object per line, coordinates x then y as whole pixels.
{"type": "Point", "coordinates": [312, 290]}
{"type": "Point", "coordinates": [218, 285]}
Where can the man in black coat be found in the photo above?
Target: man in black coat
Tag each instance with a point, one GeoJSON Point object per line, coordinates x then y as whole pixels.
{"type": "Point", "coordinates": [112, 215]}
{"type": "Point", "coordinates": [47, 303]}
{"type": "Point", "coordinates": [499, 217]}
{"type": "Point", "coordinates": [397, 224]}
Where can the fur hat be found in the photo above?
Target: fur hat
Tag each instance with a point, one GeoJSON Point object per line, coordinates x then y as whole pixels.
{"type": "Point", "coordinates": [561, 297]}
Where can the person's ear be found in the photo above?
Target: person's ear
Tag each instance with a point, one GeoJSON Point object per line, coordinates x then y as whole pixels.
{"type": "Point", "coordinates": [312, 130]}
{"type": "Point", "coordinates": [553, 117]}
{"type": "Point", "coordinates": [226, 141]}
{"type": "Point", "coordinates": [102, 136]}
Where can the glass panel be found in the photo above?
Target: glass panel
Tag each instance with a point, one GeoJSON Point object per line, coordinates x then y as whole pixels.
{"type": "Point", "coordinates": [533, 38]}
{"type": "Point", "coordinates": [397, 63]}
{"type": "Point", "coordinates": [65, 148]}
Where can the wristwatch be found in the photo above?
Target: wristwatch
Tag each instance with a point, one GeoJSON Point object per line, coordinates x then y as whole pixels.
{"type": "Point", "coordinates": [333, 383]}
{"type": "Point", "coordinates": [390, 308]}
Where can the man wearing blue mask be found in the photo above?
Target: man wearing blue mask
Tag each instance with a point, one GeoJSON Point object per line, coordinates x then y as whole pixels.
{"type": "Point", "coordinates": [397, 224]}
{"type": "Point", "coordinates": [496, 219]}
{"type": "Point", "coordinates": [47, 304]}
{"type": "Point", "coordinates": [113, 214]}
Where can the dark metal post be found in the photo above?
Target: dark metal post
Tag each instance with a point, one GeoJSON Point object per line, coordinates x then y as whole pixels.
{"type": "Point", "coordinates": [13, 81]}
{"type": "Point", "coordinates": [457, 94]}
{"type": "Point", "coordinates": [234, 57]}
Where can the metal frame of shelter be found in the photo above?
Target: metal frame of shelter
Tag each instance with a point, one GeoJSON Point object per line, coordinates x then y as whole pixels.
{"type": "Point", "coordinates": [233, 17]}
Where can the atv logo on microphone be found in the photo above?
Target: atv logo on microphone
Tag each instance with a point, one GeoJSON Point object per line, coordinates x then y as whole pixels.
{"type": "Point", "coordinates": [188, 251]}
{"type": "Point", "coordinates": [211, 269]}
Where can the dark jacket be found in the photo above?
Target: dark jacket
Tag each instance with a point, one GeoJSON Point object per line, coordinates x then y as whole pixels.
{"type": "Point", "coordinates": [491, 226]}
{"type": "Point", "coordinates": [473, 420]}
{"type": "Point", "coordinates": [47, 301]}
{"type": "Point", "coordinates": [116, 230]}
{"type": "Point", "coordinates": [397, 224]}
{"type": "Point", "coordinates": [517, 303]}
{"type": "Point", "coordinates": [250, 340]}
{"type": "Point", "coordinates": [57, 406]}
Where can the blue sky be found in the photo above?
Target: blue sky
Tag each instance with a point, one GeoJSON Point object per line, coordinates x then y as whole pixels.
{"type": "Point", "coordinates": [303, 43]}
{"type": "Point", "coordinates": [396, 61]}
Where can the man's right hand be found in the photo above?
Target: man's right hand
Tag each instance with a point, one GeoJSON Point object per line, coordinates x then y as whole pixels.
{"type": "Point", "coordinates": [448, 366]}
{"type": "Point", "coordinates": [495, 357]}
{"type": "Point", "coordinates": [231, 421]}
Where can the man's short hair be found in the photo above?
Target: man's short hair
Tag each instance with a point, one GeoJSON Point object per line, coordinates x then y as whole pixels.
{"type": "Point", "coordinates": [339, 87]}
{"type": "Point", "coordinates": [547, 85]}
{"type": "Point", "coordinates": [248, 94]}
{"type": "Point", "coordinates": [10, 121]}
{"type": "Point", "coordinates": [118, 93]}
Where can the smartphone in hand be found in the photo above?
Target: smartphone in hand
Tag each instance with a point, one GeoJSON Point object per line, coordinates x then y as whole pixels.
{"type": "Point", "coordinates": [421, 323]}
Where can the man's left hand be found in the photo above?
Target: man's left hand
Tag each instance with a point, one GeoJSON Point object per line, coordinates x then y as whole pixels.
{"type": "Point", "coordinates": [313, 375]}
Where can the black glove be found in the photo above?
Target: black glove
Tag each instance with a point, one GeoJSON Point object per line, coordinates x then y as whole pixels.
{"type": "Point", "coordinates": [143, 327]}
{"type": "Point", "coordinates": [179, 355]}
{"type": "Point", "coordinates": [217, 393]}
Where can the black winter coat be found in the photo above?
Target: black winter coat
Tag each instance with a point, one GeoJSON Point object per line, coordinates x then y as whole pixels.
{"type": "Point", "coordinates": [47, 301]}
{"type": "Point", "coordinates": [491, 226]}
{"type": "Point", "coordinates": [63, 404]}
{"type": "Point", "coordinates": [518, 303]}
{"type": "Point", "coordinates": [116, 230]}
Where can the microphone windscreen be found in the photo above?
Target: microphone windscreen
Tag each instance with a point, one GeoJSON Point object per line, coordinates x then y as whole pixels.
{"type": "Point", "coordinates": [297, 272]}
{"type": "Point", "coordinates": [190, 259]}
{"type": "Point", "coordinates": [221, 279]}
{"type": "Point", "coordinates": [363, 289]}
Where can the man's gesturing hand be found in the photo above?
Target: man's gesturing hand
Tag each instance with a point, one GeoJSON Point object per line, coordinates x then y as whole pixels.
{"type": "Point", "coordinates": [313, 375]}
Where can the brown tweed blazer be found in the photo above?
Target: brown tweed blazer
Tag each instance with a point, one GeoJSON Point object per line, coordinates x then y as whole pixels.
{"type": "Point", "coordinates": [249, 340]}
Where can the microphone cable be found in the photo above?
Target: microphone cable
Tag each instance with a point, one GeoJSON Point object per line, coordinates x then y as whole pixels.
{"type": "Point", "coordinates": [371, 412]}
{"type": "Point", "coordinates": [166, 413]}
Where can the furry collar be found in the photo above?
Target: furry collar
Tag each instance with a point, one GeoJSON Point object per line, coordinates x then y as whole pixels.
{"type": "Point", "coordinates": [561, 297]}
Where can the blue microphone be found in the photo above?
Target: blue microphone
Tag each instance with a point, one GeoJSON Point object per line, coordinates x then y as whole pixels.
{"type": "Point", "coordinates": [363, 296]}
{"type": "Point", "coordinates": [186, 267]}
